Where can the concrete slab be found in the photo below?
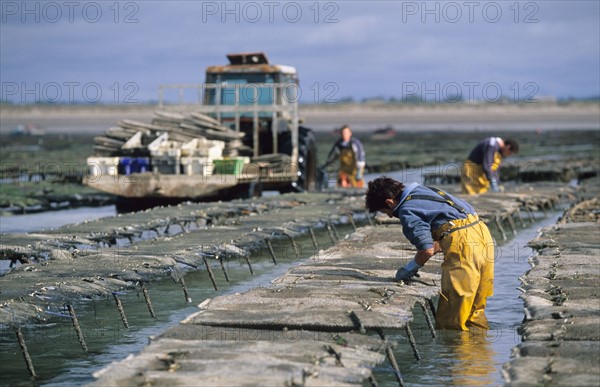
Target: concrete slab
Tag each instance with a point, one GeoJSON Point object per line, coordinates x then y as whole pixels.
{"type": "Point", "coordinates": [561, 330]}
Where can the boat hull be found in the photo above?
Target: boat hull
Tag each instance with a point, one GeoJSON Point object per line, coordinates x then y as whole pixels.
{"type": "Point", "coordinates": [146, 185]}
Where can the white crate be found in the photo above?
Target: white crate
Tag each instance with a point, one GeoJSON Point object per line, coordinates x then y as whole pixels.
{"type": "Point", "coordinates": [196, 166]}
{"type": "Point", "coordinates": [102, 166]}
{"type": "Point", "coordinates": [201, 147]}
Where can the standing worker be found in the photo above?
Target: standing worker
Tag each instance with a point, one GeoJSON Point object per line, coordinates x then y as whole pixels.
{"type": "Point", "coordinates": [351, 154]}
{"type": "Point", "coordinates": [480, 171]}
{"type": "Point", "coordinates": [435, 221]}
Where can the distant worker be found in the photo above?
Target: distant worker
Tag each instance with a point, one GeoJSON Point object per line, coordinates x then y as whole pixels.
{"type": "Point", "coordinates": [435, 221]}
{"type": "Point", "coordinates": [351, 153]}
{"type": "Point", "coordinates": [480, 170]}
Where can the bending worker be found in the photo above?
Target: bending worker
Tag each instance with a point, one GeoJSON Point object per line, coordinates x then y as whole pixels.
{"type": "Point", "coordinates": [351, 154]}
{"type": "Point", "coordinates": [435, 221]}
{"type": "Point", "coordinates": [480, 171]}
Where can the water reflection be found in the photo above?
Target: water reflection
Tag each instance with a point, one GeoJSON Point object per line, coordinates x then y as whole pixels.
{"type": "Point", "coordinates": [19, 224]}
{"type": "Point", "coordinates": [472, 357]}
{"type": "Point", "coordinates": [453, 358]}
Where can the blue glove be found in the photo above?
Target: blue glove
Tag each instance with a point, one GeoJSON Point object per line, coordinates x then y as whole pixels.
{"type": "Point", "coordinates": [359, 175]}
{"type": "Point", "coordinates": [404, 275]}
{"type": "Point", "coordinates": [494, 185]}
{"type": "Point", "coordinates": [408, 271]}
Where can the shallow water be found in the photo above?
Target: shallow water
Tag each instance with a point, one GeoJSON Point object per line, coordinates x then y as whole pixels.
{"type": "Point", "coordinates": [17, 224]}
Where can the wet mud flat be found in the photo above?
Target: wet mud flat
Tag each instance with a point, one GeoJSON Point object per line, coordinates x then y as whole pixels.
{"type": "Point", "coordinates": [473, 116]}
{"type": "Point", "coordinates": [325, 321]}
{"type": "Point", "coordinates": [561, 292]}
{"type": "Point", "coordinates": [44, 173]}
{"type": "Point", "coordinates": [563, 169]}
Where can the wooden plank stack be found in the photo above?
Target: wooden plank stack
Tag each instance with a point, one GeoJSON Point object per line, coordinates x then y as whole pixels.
{"type": "Point", "coordinates": [181, 128]}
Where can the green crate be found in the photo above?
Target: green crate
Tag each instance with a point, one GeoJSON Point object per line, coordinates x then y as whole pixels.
{"type": "Point", "coordinates": [228, 166]}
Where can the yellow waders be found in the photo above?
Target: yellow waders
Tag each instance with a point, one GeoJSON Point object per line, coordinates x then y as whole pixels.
{"type": "Point", "coordinates": [348, 169]}
{"type": "Point", "coordinates": [467, 274]}
{"type": "Point", "coordinates": [472, 178]}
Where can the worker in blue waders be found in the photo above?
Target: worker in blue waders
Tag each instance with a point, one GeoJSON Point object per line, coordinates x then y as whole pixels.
{"type": "Point", "coordinates": [435, 221]}
{"type": "Point", "coordinates": [479, 173]}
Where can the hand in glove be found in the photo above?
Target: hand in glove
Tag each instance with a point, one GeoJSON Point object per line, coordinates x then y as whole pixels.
{"type": "Point", "coordinates": [494, 185]}
{"type": "Point", "coordinates": [407, 272]}
{"type": "Point", "coordinates": [359, 174]}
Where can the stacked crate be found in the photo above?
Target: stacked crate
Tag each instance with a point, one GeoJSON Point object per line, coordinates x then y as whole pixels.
{"type": "Point", "coordinates": [198, 156]}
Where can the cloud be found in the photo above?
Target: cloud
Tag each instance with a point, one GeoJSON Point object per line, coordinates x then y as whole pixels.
{"type": "Point", "coordinates": [366, 48]}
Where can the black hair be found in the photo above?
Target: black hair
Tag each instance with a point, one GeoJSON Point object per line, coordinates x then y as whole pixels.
{"type": "Point", "coordinates": [380, 190]}
{"type": "Point", "coordinates": [513, 144]}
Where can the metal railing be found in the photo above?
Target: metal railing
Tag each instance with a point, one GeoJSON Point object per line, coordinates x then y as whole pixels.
{"type": "Point", "coordinates": [235, 100]}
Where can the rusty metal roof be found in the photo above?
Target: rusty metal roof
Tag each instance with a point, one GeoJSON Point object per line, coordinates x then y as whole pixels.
{"type": "Point", "coordinates": [252, 62]}
{"type": "Point", "coordinates": [245, 58]}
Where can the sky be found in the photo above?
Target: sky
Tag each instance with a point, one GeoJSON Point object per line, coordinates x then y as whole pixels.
{"type": "Point", "coordinates": [120, 52]}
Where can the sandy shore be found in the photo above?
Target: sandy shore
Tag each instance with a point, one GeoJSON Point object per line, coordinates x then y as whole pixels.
{"type": "Point", "coordinates": [362, 117]}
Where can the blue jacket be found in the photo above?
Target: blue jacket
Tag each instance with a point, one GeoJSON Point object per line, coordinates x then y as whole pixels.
{"type": "Point", "coordinates": [420, 217]}
{"type": "Point", "coordinates": [483, 154]}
